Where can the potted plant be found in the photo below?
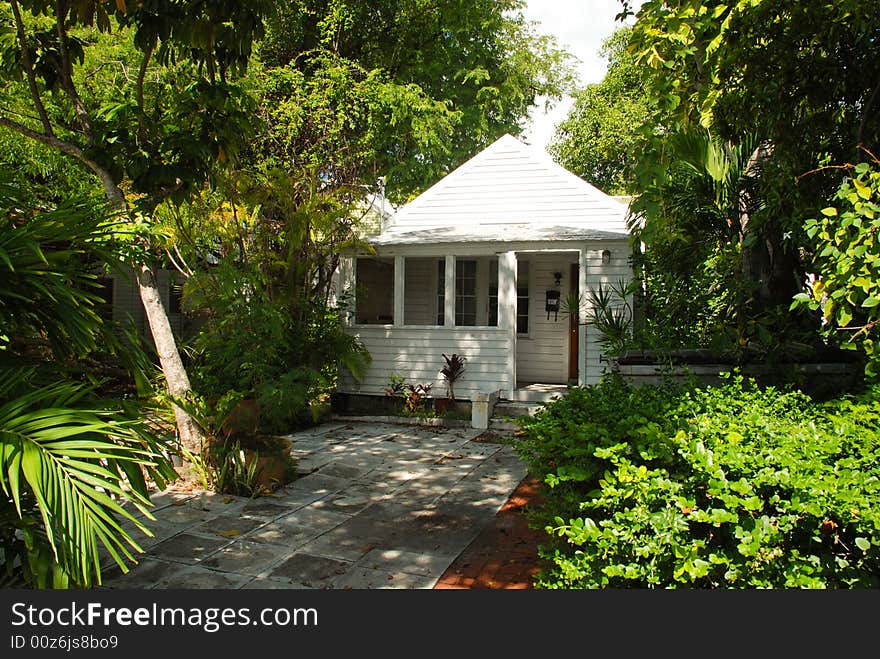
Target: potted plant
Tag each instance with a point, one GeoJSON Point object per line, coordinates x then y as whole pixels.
{"type": "Point", "coordinates": [237, 458]}
{"type": "Point", "coordinates": [396, 393]}
{"type": "Point", "coordinates": [451, 372]}
{"type": "Point", "coordinates": [273, 465]}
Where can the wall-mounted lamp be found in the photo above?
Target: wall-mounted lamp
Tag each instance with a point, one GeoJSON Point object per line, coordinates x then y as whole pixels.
{"type": "Point", "coordinates": [558, 277]}
{"type": "Point", "coordinates": [606, 257]}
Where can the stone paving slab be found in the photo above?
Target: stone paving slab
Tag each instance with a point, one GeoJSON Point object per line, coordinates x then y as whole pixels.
{"type": "Point", "coordinates": [375, 505]}
{"type": "Point", "coordinates": [366, 578]}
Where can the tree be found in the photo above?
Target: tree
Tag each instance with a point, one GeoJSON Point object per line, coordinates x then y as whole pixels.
{"type": "Point", "coordinates": [797, 79]}
{"type": "Point", "coordinates": [406, 89]}
{"type": "Point", "coordinates": [608, 127]}
{"type": "Point", "coordinates": [701, 208]}
{"type": "Point", "coordinates": [149, 122]}
{"type": "Point", "coordinates": [69, 458]}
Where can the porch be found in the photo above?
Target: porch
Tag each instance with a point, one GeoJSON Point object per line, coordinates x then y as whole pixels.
{"type": "Point", "coordinates": [492, 308]}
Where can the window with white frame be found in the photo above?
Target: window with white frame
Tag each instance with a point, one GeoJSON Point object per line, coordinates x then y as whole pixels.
{"type": "Point", "coordinates": [465, 292]}
{"type": "Point", "coordinates": [522, 297]}
{"type": "Point", "coordinates": [418, 291]}
{"type": "Point", "coordinates": [374, 298]}
{"type": "Point", "coordinates": [441, 291]}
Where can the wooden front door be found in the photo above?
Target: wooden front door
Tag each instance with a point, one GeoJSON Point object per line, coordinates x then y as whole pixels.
{"type": "Point", "coordinates": [573, 327]}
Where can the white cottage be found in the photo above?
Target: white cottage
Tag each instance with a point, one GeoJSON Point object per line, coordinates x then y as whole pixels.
{"type": "Point", "coordinates": [477, 265]}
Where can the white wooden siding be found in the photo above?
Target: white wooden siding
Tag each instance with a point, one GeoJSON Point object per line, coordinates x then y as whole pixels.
{"type": "Point", "coordinates": [598, 273]}
{"type": "Point", "coordinates": [417, 354]}
{"type": "Point", "coordinates": [542, 356]}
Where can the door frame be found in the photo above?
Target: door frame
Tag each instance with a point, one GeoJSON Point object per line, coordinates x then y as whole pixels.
{"type": "Point", "coordinates": [573, 324]}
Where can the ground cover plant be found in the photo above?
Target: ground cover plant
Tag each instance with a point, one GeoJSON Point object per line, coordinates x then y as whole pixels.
{"type": "Point", "coordinates": [732, 486]}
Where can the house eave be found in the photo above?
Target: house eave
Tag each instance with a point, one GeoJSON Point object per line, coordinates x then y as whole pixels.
{"type": "Point", "coordinates": [445, 237]}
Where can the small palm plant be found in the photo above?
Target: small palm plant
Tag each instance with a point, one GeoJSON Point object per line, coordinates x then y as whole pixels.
{"type": "Point", "coordinates": [68, 464]}
{"type": "Point", "coordinates": [452, 372]}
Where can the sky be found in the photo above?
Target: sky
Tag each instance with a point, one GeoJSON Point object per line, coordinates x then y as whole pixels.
{"type": "Point", "coordinates": [580, 27]}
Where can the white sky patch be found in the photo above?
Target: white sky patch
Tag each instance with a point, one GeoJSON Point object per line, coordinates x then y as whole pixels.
{"type": "Point", "coordinates": [580, 27]}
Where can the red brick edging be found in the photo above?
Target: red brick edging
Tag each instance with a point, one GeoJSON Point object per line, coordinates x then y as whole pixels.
{"type": "Point", "coordinates": [505, 554]}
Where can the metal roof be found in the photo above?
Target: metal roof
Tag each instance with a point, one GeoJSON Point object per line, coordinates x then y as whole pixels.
{"type": "Point", "coordinates": [509, 192]}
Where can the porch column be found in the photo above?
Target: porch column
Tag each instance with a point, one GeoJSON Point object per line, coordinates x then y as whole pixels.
{"type": "Point", "coordinates": [582, 318]}
{"type": "Point", "coordinates": [449, 292]}
{"type": "Point", "coordinates": [399, 279]}
{"type": "Point", "coordinates": [345, 283]}
{"type": "Point", "coordinates": [507, 311]}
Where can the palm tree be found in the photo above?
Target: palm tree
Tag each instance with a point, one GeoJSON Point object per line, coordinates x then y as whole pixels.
{"type": "Point", "coordinates": [72, 466]}
{"type": "Point", "coordinates": [706, 201]}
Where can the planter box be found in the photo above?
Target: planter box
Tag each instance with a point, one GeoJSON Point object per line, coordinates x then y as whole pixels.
{"type": "Point", "coordinates": [821, 380]}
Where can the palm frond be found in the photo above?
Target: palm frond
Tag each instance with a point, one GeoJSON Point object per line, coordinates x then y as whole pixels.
{"type": "Point", "coordinates": [76, 462]}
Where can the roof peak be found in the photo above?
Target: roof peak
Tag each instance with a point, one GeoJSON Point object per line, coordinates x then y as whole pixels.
{"type": "Point", "coordinates": [510, 183]}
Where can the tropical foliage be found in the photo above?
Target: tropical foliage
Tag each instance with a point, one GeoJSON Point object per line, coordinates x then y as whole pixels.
{"type": "Point", "coordinates": [732, 486]}
{"type": "Point", "coordinates": [73, 464]}
{"type": "Point", "coordinates": [742, 115]}
{"type": "Point", "coordinates": [848, 258]}
{"type": "Point", "coordinates": [367, 89]}
{"type": "Point", "coordinates": [604, 135]}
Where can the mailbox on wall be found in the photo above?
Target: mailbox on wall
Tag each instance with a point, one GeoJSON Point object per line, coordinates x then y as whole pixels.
{"type": "Point", "coordinates": [551, 304]}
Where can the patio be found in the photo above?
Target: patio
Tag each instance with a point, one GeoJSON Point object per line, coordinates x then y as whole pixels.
{"type": "Point", "coordinates": [376, 506]}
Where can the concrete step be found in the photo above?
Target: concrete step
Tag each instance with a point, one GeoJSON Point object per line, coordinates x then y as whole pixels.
{"type": "Point", "coordinates": [503, 421]}
{"type": "Point", "coordinates": [539, 393]}
{"type": "Point", "coordinates": [502, 425]}
{"type": "Point", "coordinates": [509, 408]}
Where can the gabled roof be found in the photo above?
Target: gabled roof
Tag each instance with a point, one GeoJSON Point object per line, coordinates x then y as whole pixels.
{"type": "Point", "coordinates": [506, 193]}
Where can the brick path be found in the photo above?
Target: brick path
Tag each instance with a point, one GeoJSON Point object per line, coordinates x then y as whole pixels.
{"type": "Point", "coordinates": [505, 554]}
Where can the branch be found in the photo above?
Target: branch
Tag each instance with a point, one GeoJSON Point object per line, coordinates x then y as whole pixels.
{"type": "Point", "coordinates": [111, 190]}
{"type": "Point", "coordinates": [27, 62]}
{"type": "Point", "coordinates": [66, 71]}
{"type": "Point", "coordinates": [847, 167]}
{"type": "Point", "coordinates": [181, 267]}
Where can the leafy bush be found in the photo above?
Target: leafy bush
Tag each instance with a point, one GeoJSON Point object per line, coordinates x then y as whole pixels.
{"type": "Point", "coordinates": [847, 291]}
{"type": "Point", "coordinates": [724, 487]}
{"type": "Point", "coordinates": [253, 344]}
{"type": "Point", "coordinates": [416, 397]}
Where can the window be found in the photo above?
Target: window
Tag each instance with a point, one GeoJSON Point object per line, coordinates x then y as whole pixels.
{"type": "Point", "coordinates": [175, 298]}
{"type": "Point", "coordinates": [522, 297]}
{"type": "Point", "coordinates": [375, 291]}
{"type": "Point", "coordinates": [465, 293]}
{"type": "Point", "coordinates": [419, 291]}
{"type": "Point", "coordinates": [492, 312]}
{"type": "Point", "coordinates": [441, 290]}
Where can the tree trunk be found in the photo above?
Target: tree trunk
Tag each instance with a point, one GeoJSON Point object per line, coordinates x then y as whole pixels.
{"type": "Point", "coordinates": [176, 379]}
{"type": "Point", "coordinates": [169, 357]}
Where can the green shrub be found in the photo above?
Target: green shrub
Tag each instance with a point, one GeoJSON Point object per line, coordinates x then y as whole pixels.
{"type": "Point", "coordinates": [724, 487]}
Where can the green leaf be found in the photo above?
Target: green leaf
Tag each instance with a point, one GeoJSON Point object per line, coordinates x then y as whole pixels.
{"type": "Point", "coordinates": [863, 543]}
{"type": "Point", "coordinates": [870, 302]}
